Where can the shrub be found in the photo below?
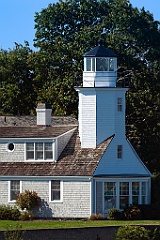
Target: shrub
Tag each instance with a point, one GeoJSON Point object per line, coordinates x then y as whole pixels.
{"type": "Point", "coordinates": [27, 199]}
{"type": "Point", "coordinates": [16, 234]}
{"type": "Point", "coordinates": [132, 213]}
{"type": "Point", "coordinates": [9, 213]}
{"type": "Point", "coordinates": [150, 211]}
{"type": "Point", "coordinates": [26, 215]}
{"type": "Point", "coordinates": [156, 234]}
{"type": "Point", "coordinates": [96, 216]}
{"type": "Point", "coordinates": [114, 214]}
{"type": "Point", "coordinates": [132, 233]}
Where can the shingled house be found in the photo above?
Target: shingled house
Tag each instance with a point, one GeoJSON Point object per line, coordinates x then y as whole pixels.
{"type": "Point", "coordinates": [76, 169]}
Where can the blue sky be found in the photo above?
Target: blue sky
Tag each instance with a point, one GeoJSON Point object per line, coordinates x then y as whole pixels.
{"type": "Point", "coordinates": [17, 18]}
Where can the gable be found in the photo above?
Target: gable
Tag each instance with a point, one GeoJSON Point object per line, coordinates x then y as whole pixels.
{"type": "Point", "coordinates": [129, 165]}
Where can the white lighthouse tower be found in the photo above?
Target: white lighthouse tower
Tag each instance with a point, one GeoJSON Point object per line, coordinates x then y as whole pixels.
{"type": "Point", "coordinates": [120, 178]}
{"type": "Point", "coordinates": [101, 102]}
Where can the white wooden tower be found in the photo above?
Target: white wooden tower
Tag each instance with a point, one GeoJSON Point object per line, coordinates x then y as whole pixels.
{"type": "Point", "coordinates": [101, 102]}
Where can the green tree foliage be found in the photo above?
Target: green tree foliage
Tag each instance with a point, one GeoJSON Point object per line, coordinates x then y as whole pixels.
{"type": "Point", "coordinates": [66, 30]}
{"type": "Point", "coordinates": [16, 81]}
{"type": "Point", "coordinates": [132, 233]}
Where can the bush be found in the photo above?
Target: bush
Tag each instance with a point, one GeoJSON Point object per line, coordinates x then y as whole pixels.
{"type": "Point", "coordinates": [27, 199]}
{"type": "Point", "coordinates": [132, 213]}
{"type": "Point", "coordinates": [114, 214]}
{"type": "Point", "coordinates": [9, 213]}
{"type": "Point", "coordinates": [96, 216]}
{"type": "Point", "coordinates": [26, 215]}
{"type": "Point", "coordinates": [132, 233]}
{"type": "Point", "coordinates": [16, 234]}
{"type": "Point", "coordinates": [156, 234]}
{"type": "Point", "coordinates": [150, 211]}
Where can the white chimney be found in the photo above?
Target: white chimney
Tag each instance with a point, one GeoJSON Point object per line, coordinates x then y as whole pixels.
{"type": "Point", "coordinates": [44, 113]}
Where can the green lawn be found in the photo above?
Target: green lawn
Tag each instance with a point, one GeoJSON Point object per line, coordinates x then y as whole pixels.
{"type": "Point", "coordinates": [7, 224]}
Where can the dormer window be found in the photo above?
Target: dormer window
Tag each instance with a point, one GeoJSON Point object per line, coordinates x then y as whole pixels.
{"type": "Point", "coordinates": [99, 64]}
{"type": "Point", "coordinates": [39, 151]}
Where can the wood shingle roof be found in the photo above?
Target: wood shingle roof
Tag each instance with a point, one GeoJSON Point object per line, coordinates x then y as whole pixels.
{"type": "Point", "coordinates": [74, 161]}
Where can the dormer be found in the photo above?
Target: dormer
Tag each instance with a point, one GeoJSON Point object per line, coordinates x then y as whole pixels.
{"type": "Point", "coordinates": [100, 67]}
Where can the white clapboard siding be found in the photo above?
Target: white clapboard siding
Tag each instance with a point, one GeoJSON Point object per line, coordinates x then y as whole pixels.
{"type": "Point", "coordinates": [87, 119]}
{"type": "Point", "coordinates": [98, 116]}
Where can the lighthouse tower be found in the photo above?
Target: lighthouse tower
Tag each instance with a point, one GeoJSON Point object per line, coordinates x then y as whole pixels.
{"type": "Point", "coordinates": [101, 102]}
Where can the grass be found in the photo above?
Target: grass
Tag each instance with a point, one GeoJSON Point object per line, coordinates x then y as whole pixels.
{"type": "Point", "coordinates": [46, 224]}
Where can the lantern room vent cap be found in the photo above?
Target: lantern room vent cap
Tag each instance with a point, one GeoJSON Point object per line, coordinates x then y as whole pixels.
{"type": "Point", "coordinates": [100, 51]}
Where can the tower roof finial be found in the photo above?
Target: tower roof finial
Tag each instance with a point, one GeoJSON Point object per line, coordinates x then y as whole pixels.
{"type": "Point", "coordinates": [100, 42]}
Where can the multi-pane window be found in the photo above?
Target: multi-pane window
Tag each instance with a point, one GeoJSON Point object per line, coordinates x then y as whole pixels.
{"type": "Point", "coordinates": [124, 195]}
{"type": "Point", "coordinates": [119, 151]}
{"type": "Point", "coordinates": [99, 64]}
{"type": "Point", "coordinates": [109, 195]}
{"type": "Point", "coordinates": [55, 190]}
{"type": "Point", "coordinates": [119, 104]}
{"type": "Point", "coordinates": [143, 192]}
{"type": "Point", "coordinates": [39, 151]}
{"type": "Point", "coordinates": [14, 189]}
{"type": "Point", "coordinates": [102, 64]}
{"type": "Point", "coordinates": [135, 192]}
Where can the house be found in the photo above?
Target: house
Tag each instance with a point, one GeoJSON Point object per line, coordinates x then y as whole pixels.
{"type": "Point", "coordinates": [76, 169]}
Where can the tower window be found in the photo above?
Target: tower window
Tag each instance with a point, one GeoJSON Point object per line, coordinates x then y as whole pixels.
{"type": "Point", "coordinates": [119, 151]}
{"type": "Point", "coordinates": [89, 64]}
{"type": "Point", "coordinates": [119, 104]}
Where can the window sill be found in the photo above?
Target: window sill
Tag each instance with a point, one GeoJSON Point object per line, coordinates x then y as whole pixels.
{"type": "Point", "coordinates": [40, 160]}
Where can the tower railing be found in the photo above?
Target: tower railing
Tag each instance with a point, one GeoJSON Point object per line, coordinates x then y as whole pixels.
{"type": "Point", "coordinates": [123, 79]}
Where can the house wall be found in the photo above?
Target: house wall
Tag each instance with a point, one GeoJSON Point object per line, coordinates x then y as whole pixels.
{"type": "Point", "coordinates": [75, 201]}
{"type": "Point", "coordinates": [109, 120]}
{"type": "Point", "coordinates": [12, 156]}
{"type": "Point", "coordinates": [129, 164]}
{"type": "Point", "coordinates": [18, 154]}
{"type": "Point", "coordinates": [62, 142]}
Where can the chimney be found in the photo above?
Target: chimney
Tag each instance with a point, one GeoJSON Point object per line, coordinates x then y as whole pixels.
{"type": "Point", "coordinates": [44, 113]}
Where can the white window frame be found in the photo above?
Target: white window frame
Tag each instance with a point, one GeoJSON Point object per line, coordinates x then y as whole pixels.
{"type": "Point", "coordinates": [112, 196]}
{"type": "Point", "coordinates": [142, 194]}
{"type": "Point", "coordinates": [119, 104]}
{"type": "Point", "coordinates": [61, 191]}
{"type": "Point", "coordinates": [110, 64]}
{"type": "Point", "coordinates": [9, 189]}
{"type": "Point", "coordinates": [34, 151]}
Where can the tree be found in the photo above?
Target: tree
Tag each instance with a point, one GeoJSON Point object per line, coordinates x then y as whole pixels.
{"type": "Point", "coordinates": [66, 30]}
{"type": "Point", "coordinates": [16, 77]}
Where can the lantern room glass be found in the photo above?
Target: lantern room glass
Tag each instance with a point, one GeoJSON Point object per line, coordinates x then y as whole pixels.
{"type": "Point", "coordinates": [100, 64]}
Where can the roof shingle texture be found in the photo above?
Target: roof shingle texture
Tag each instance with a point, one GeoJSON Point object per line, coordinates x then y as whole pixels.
{"type": "Point", "coordinates": [26, 127]}
{"type": "Point", "coordinates": [74, 161]}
